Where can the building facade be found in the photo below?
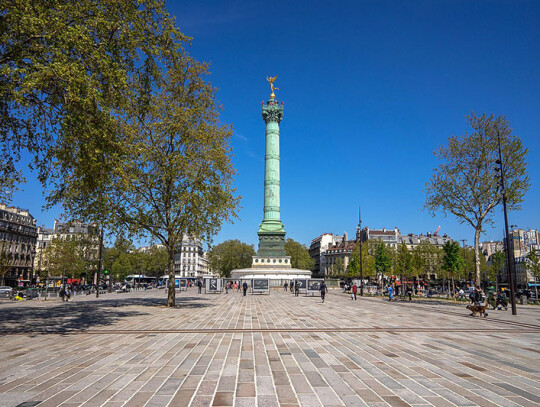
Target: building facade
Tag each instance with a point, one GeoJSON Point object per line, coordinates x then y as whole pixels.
{"type": "Point", "coordinates": [18, 238]}
{"type": "Point", "coordinates": [190, 260]}
{"type": "Point", "coordinates": [318, 249]}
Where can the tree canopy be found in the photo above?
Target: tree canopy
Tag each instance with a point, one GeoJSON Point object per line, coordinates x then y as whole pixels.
{"type": "Point", "coordinates": [299, 253]}
{"type": "Point", "coordinates": [464, 184]}
{"type": "Point", "coordinates": [68, 71]}
{"type": "Point", "coordinates": [230, 255]}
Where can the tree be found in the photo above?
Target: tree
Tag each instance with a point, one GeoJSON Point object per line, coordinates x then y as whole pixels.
{"type": "Point", "coordinates": [403, 264]}
{"type": "Point", "coordinates": [66, 258]}
{"type": "Point", "coordinates": [339, 267]}
{"type": "Point", "coordinates": [452, 261]}
{"type": "Point", "coordinates": [383, 260]}
{"type": "Point", "coordinates": [7, 259]}
{"type": "Point", "coordinates": [230, 255]}
{"type": "Point", "coordinates": [172, 175]}
{"type": "Point", "coordinates": [532, 265]}
{"type": "Point", "coordinates": [299, 253]}
{"type": "Point", "coordinates": [68, 71]}
{"type": "Point", "coordinates": [465, 185]}
{"type": "Point", "coordinates": [155, 261]}
{"type": "Point", "coordinates": [498, 259]}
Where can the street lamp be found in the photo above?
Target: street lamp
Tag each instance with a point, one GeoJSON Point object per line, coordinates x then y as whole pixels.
{"type": "Point", "coordinates": [500, 171]}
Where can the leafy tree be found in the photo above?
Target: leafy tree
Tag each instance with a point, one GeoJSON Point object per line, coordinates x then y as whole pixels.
{"type": "Point", "coordinates": [426, 259]}
{"type": "Point", "coordinates": [404, 264]}
{"type": "Point", "coordinates": [155, 261]}
{"type": "Point", "coordinates": [120, 260]}
{"type": "Point", "coordinates": [299, 253]}
{"type": "Point", "coordinates": [465, 185]}
{"type": "Point", "coordinates": [383, 259]}
{"type": "Point", "coordinates": [68, 71]}
{"type": "Point", "coordinates": [532, 265]}
{"type": "Point", "coordinates": [230, 255]}
{"type": "Point", "coordinates": [339, 267]}
{"type": "Point", "coordinates": [498, 260]}
{"type": "Point", "coordinates": [452, 261]}
{"type": "Point", "coordinates": [368, 258]}
{"type": "Point", "coordinates": [66, 258]}
{"type": "Point", "coordinates": [173, 176]}
{"type": "Point", "coordinates": [7, 259]}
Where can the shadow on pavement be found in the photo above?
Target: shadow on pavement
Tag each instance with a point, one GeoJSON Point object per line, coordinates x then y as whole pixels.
{"type": "Point", "coordinates": [72, 317]}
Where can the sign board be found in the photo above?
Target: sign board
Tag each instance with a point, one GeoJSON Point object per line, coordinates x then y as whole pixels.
{"type": "Point", "coordinates": [260, 286]}
{"type": "Point", "coordinates": [302, 282]}
{"type": "Point", "coordinates": [213, 285]}
{"type": "Point", "coordinates": [314, 285]}
{"type": "Point", "coordinates": [183, 284]}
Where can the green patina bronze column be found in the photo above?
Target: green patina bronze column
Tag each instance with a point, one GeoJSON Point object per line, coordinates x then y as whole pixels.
{"type": "Point", "coordinates": [271, 231]}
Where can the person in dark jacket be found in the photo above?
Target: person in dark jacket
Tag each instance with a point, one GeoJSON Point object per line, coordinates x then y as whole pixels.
{"type": "Point", "coordinates": [324, 290]}
{"type": "Point", "coordinates": [245, 287]}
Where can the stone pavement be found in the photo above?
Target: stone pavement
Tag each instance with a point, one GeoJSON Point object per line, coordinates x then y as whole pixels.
{"type": "Point", "coordinates": [265, 350]}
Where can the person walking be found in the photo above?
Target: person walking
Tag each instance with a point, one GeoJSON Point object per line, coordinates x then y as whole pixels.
{"type": "Point", "coordinates": [354, 291]}
{"type": "Point", "coordinates": [324, 290]}
{"type": "Point", "coordinates": [199, 285]}
{"type": "Point", "coordinates": [409, 293]}
{"type": "Point", "coordinates": [62, 293]}
{"type": "Point", "coordinates": [296, 288]}
{"type": "Point", "coordinates": [285, 286]}
{"type": "Point", "coordinates": [245, 287]}
{"type": "Point", "coordinates": [390, 293]}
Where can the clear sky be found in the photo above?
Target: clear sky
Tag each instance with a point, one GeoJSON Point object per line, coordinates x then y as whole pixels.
{"type": "Point", "coordinates": [370, 88]}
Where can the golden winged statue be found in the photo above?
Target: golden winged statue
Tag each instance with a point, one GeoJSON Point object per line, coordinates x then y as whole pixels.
{"type": "Point", "coordinates": [271, 82]}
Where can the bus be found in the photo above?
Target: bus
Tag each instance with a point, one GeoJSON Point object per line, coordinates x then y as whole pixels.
{"type": "Point", "coordinates": [140, 279]}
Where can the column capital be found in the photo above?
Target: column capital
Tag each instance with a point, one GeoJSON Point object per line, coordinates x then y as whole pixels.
{"type": "Point", "coordinates": [272, 112]}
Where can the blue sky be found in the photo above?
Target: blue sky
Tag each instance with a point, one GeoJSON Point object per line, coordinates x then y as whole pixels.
{"type": "Point", "coordinates": [370, 88]}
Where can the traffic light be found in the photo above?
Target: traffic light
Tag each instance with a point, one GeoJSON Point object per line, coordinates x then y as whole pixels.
{"type": "Point", "coordinates": [105, 272]}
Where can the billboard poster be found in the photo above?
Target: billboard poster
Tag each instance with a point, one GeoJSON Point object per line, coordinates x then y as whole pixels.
{"type": "Point", "coordinates": [183, 284]}
{"type": "Point", "coordinates": [302, 282]}
{"type": "Point", "coordinates": [314, 285]}
{"type": "Point", "coordinates": [260, 285]}
{"type": "Point", "coordinates": [213, 285]}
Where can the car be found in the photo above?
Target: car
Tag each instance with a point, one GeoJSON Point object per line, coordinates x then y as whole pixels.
{"type": "Point", "coordinates": [6, 291]}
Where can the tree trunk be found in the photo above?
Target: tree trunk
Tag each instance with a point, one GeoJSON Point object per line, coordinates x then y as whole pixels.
{"type": "Point", "coordinates": [477, 254]}
{"type": "Point", "coordinates": [171, 290]}
{"type": "Point", "coordinates": [453, 285]}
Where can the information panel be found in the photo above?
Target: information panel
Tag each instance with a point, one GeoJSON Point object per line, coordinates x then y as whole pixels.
{"type": "Point", "coordinates": [302, 284]}
{"type": "Point", "coordinates": [260, 286]}
{"type": "Point", "coordinates": [314, 285]}
{"type": "Point", "coordinates": [213, 285]}
{"type": "Point", "coordinates": [183, 284]}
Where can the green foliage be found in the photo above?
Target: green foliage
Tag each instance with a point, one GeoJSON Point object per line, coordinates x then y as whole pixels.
{"type": "Point", "coordinates": [533, 264]}
{"type": "Point", "coordinates": [68, 257]}
{"type": "Point", "coordinates": [230, 255]}
{"type": "Point", "coordinates": [7, 259]}
{"type": "Point", "coordinates": [383, 259]}
{"type": "Point", "coordinates": [452, 262]}
{"type": "Point", "coordinates": [299, 253]}
{"type": "Point", "coordinates": [498, 260]}
{"type": "Point", "coordinates": [464, 184]}
{"type": "Point", "coordinates": [404, 264]}
{"type": "Point", "coordinates": [426, 259]}
{"type": "Point", "coordinates": [339, 267]}
{"type": "Point", "coordinates": [173, 173]}
{"type": "Point", "coordinates": [67, 72]}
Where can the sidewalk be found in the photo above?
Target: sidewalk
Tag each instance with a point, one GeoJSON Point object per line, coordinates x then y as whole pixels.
{"type": "Point", "coordinates": [267, 350]}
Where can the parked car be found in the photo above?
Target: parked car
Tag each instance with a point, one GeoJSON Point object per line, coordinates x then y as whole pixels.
{"type": "Point", "coordinates": [6, 291]}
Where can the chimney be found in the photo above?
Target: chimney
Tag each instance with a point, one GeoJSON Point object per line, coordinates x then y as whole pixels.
{"type": "Point", "coordinates": [345, 236]}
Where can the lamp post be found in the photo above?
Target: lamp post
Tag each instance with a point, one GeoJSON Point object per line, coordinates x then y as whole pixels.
{"type": "Point", "coordinates": [361, 261]}
{"type": "Point", "coordinates": [500, 170]}
{"type": "Point", "coordinates": [99, 261]}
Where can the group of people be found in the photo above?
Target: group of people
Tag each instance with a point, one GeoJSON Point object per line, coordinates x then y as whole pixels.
{"type": "Point", "coordinates": [296, 286]}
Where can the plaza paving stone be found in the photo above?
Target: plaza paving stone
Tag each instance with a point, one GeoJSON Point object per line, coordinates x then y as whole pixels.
{"type": "Point", "coordinates": [265, 350]}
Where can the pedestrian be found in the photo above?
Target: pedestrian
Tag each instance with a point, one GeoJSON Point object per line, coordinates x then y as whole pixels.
{"type": "Point", "coordinates": [409, 293]}
{"type": "Point", "coordinates": [245, 287]}
{"type": "Point", "coordinates": [227, 288]}
{"type": "Point", "coordinates": [475, 296]}
{"type": "Point", "coordinates": [354, 291]}
{"type": "Point", "coordinates": [199, 285]}
{"type": "Point", "coordinates": [390, 293]}
{"type": "Point", "coordinates": [291, 284]}
{"type": "Point", "coordinates": [62, 293]}
{"type": "Point", "coordinates": [324, 290]}
{"type": "Point", "coordinates": [68, 294]}
{"type": "Point", "coordinates": [296, 288]}
{"type": "Point", "coordinates": [285, 286]}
